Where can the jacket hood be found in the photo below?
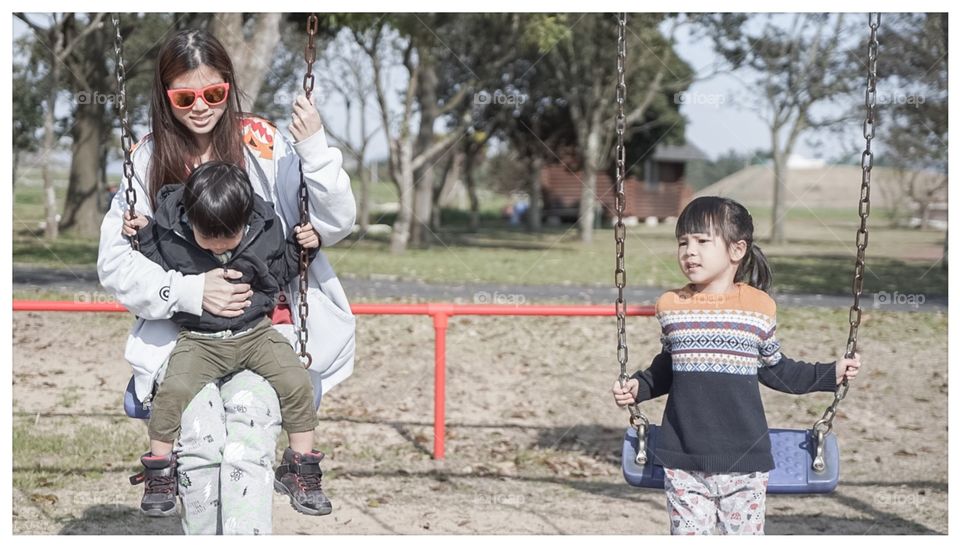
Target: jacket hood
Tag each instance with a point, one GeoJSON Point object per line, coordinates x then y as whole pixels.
{"type": "Point", "coordinates": [172, 215]}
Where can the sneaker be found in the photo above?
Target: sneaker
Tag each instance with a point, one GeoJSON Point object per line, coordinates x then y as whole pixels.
{"type": "Point", "coordinates": [159, 476]}
{"type": "Point", "coordinates": [298, 476]}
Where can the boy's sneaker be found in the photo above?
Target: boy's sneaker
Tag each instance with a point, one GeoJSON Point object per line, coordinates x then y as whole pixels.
{"type": "Point", "coordinates": [159, 476]}
{"type": "Point", "coordinates": [298, 476]}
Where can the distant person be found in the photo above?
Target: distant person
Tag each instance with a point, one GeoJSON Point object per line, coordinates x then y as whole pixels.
{"type": "Point", "coordinates": [719, 343]}
{"type": "Point", "coordinates": [518, 211]}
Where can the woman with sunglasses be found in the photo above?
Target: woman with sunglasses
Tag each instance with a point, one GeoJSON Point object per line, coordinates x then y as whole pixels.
{"type": "Point", "coordinates": [227, 447]}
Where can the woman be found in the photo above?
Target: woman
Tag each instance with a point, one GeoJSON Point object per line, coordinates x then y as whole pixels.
{"type": "Point", "coordinates": [228, 441]}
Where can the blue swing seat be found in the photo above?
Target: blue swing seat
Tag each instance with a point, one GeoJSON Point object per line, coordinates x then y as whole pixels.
{"type": "Point", "coordinates": [793, 453]}
{"type": "Point", "coordinates": [132, 406]}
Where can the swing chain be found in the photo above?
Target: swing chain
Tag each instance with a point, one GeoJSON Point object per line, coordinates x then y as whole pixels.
{"type": "Point", "coordinates": [303, 308]}
{"type": "Point", "coordinates": [823, 426]}
{"type": "Point", "coordinates": [126, 135]}
{"type": "Point", "coordinates": [310, 53]}
{"type": "Point", "coordinates": [637, 419]}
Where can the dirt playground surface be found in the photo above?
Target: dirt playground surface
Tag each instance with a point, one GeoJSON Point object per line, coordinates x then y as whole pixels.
{"type": "Point", "coordinates": [533, 437]}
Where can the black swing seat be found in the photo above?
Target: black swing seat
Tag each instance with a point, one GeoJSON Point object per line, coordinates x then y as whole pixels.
{"type": "Point", "coordinates": [793, 453]}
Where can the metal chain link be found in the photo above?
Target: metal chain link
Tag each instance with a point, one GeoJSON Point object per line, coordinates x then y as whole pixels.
{"type": "Point", "coordinates": [303, 309]}
{"type": "Point", "coordinates": [126, 135]}
{"type": "Point", "coordinates": [637, 419]}
{"type": "Point", "coordinates": [825, 424]}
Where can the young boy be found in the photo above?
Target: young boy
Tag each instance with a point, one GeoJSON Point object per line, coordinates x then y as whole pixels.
{"type": "Point", "coordinates": [216, 220]}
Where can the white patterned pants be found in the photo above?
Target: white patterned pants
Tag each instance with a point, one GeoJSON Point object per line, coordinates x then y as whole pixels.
{"type": "Point", "coordinates": [225, 457]}
{"type": "Point", "coordinates": [699, 503]}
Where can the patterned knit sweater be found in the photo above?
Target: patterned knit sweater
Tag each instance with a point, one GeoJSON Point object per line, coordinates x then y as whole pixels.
{"type": "Point", "coordinates": [717, 349]}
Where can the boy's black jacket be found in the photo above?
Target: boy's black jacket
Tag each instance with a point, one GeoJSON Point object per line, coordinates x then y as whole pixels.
{"type": "Point", "coordinates": [267, 258]}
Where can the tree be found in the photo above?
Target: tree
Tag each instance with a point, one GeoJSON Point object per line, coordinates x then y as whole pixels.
{"type": "Point", "coordinates": [346, 74]}
{"type": "Point", "coordinates": [413, 146]}
{"type": "Point", "coordinates": [793, 70]}
{"type": "Point", "coordinates": [92, 76]}
{"type": "Point", "coordinates": [913, 106]}
{"type": "Point", "coordinates": [580, 50]}
{"type": "Point", "coordinates": [28, 96]}
{"type": "Point", "coordinates": [59, 38]}
{"type": "Point", "coordinates": [235, 31]}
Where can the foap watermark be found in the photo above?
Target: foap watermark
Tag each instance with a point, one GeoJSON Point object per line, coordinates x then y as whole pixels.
{"type": "Point", "coordinates": [513, 500]}
{"type": "Point", "coordinates": [505, 299]}
{"type": "Point", "coordinates": [901, 99]}
{"type": "Point", "coordinates": [498, 98]}
{"type": "Point", "coordinates": [93, 297]}
{"type": "Point", "coordinates": [884, 298]}
{"type": "Point", "coordinates": [706, 99]}
{"type": "Point", "coordinates": [84, 499]}
{"type": "Point", "coordinates": [901, 499]}
{"type": "Point", "coordinates": [705, 299]}
{"type": "Point", "coordinates": [84, 98]}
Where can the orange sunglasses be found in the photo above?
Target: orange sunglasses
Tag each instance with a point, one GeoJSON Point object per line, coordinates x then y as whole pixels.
{"type": "Point", "coordinates": [213, 95]}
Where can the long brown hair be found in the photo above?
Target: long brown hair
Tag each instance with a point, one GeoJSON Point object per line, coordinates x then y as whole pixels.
{"type": "Point", "coordinates": [173, 144]}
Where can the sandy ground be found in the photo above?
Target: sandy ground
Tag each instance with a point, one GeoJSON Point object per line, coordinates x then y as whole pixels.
{"type": "Point", "coordinates": [533, 436]}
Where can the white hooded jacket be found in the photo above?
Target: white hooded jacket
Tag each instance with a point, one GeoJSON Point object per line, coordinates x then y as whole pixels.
{"type": "Point", "coordinates": [154, 295]}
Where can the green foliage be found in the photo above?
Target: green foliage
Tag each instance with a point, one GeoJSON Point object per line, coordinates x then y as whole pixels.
{"type": "Point", "coordinates": [28, 101]}
{"type": "Point", "coordinates": [545, 30]}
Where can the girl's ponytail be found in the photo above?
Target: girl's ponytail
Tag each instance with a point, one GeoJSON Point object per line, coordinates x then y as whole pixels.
{"type": "Point", "coordinates": [755, 269]}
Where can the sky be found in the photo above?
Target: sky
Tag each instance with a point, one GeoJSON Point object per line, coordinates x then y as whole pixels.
{"type": "Point", "coordinates": [716, 108]}
{"type": "Point", "coordinates": [715, 124]}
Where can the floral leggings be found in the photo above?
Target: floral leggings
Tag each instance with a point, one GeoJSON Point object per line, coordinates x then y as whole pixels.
{"type": "Point", "coordinates": [226, 454]}
{"type": "Point", "coordinates": [698, 502]}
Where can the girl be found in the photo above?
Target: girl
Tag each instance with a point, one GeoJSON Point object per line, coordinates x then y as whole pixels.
{"type": "Point", "coordinates": [228, 436]}
{"type": "Point", "coordinates": [719, 343]}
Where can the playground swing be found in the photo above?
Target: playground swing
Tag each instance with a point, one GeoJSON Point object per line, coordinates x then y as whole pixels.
{"type": "Point", "coordinates": [132, 405]}
{"type": "Point", "coordinates": [806, 461]}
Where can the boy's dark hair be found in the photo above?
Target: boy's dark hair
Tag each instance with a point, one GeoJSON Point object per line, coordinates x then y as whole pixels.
{"type": "Point", "coordinates": [732, 222]}
{"type": "Point", "coordinates": [218, 198]}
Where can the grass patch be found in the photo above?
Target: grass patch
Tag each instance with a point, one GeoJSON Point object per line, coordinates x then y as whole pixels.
{"type": "Point", "coordinates": [817, 259]}
{"type": "Point", "coordinates": [28, 198]}
{"type": "Point", "coordinates": [49, 451]}
{"type": "Point", "coordinates": [30, 248]}
{"type": "Point", "coordinates": [834, 274]}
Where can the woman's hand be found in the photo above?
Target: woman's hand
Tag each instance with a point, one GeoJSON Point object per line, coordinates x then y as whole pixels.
{"type": "Point", "coordinates": [848, 368]}
{"type": "Point", "coordinates": [223, 298]}
{"type": "Point", "coordinates": [627, 395]}
{"type": "Point", "coordinates": [306, 119]}
{"type": "Point", "coordinates": [132, 224]}
{"type": "Point", "coordinates": [307, 237]}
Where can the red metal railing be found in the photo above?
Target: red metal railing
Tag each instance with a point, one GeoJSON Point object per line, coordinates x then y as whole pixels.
{"type": "Point", "coordinates": [440, 312]}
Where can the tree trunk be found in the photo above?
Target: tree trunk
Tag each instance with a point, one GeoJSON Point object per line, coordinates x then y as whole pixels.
{"type": "Point", "coordinates": [426, 176]}
{"type": "Point", "coordinates": [82, 214]}
{"type": "Point", "coordinates": [946, 237]}
{"type": "Point", "coordinates": [777, 232]}
{"type": "Point", "coordinates": [924, 214]}
{"type": "Point", "coordinates": [471, 185]}
{"type": "Point", "coordinates": [250, 63]}
{"type": "Point", "coordinates": [49, 194]}
{"type": "Point", "coordinates": [449, 188]}
{"type": "Point", "coordinates": [423, 206]}
{"type": "Point", "coordinates": [400, 236]}
{"type": "Point", "coordinates": [364, 212]}
{"type": "Point", "coordinates": [533, 184]}
{"type": "Point", "coordinates": [589, 189]}
{"type": "Point", "coordinates": [16, 162]}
